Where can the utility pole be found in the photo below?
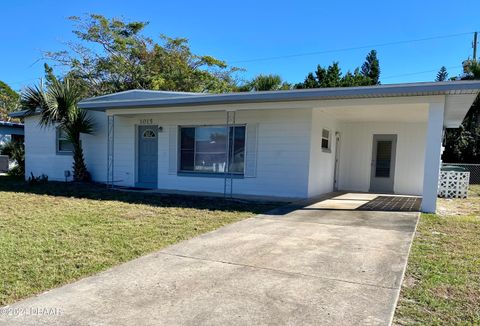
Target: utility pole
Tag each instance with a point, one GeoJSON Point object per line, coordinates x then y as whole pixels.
{"type": "Point", "coordinates": [474, 46]}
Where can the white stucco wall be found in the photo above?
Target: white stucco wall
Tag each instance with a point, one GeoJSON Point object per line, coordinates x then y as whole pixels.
{"type": "Point", "coordinates": [95, 147]}
{"type": "Point", "coordinates": [356, 155]}
{"type": "Point", "coordinates": [321, 172]}
{"type": "Point", "coordinates": [290, 160]}
{"type": "Point", "coordinates": [124, 151]}
{"type": "Point", "coordinates": [283, 151]}
{"type": "Point", "coordinates": [42, 158]}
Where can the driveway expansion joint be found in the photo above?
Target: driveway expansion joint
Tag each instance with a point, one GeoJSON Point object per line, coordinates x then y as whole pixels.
{"type": "Point", "coordinates": [334, 224]}
{"type": "Point", "coordinates": [281, 271]}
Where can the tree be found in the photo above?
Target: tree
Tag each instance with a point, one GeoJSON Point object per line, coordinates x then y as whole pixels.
{"type": "Point", "coordinates": [332, 75]}
{"type": "Point", "coordinates": [114, 55]}
{"type": "Point", "coordinates": [8, 101]}
{"type": "Point", "coordinates": [58, 108]}
{"type": "Point", "coordinates": [442, 74]}
{"type": "Point", "coordinates": [310, 82]}
{"type": "Point", "coordinates": [471, 70]}
{"type": "Point", "coordinates": [265, 83]}
{"type": "Point", "coordinates": [355, 79]}
{"type": "Point", "coordinates": [371, 67]}
{"type": "Point", "coordinates": [462, 145]}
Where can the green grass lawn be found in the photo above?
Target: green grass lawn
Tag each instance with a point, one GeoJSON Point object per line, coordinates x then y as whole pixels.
{"type": "Point", "coordinates": [442, 282]}
{"type": "Point", "coordinates": [56, 233]}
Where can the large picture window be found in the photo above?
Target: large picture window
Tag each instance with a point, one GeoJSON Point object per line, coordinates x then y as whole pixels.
{"type": "Point", "coordinates": [204, 149]}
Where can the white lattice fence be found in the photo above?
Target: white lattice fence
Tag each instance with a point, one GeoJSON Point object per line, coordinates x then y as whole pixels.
{"type": "Point", "coordinates": [453, 184]}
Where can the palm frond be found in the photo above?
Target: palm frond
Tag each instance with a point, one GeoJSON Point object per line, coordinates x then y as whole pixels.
{"type": "Point", "coordinates": [33, 98]}
{"type": "Point", "coordinates": [62, 97]}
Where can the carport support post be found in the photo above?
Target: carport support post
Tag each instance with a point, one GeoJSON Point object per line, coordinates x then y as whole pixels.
{"type": "Point", "coordinates": [433, 146]}
{"type": "Point", "coordinates": [110, 149]}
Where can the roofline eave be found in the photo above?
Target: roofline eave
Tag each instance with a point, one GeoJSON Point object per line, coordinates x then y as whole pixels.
{"type": "Point", "coordinates": [397, 90]}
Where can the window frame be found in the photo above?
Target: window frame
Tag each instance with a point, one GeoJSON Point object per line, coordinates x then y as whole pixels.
{"type": "Point", "coordinates": [236, 175]}
{"type": "Point", "coordinates": [58, 130]}
{"type": "Point", "coordinates": [329, 141]}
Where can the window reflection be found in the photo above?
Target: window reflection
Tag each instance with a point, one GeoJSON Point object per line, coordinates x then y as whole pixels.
{"type": "Point", "coordinates": [204, 149]}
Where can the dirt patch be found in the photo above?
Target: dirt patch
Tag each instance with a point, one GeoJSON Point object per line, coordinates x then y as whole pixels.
{"type": "Point", "coordinates": [409, 281]}
{"type": "Point", "coordinates": [461, 207]}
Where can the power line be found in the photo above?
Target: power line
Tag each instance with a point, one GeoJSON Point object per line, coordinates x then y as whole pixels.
{"type": "Point", "coordinates": [343, 50]}
{"type": "Point", "coordinates": [418, 72]}
{"type": "Point", "coordinates": [352, 48]}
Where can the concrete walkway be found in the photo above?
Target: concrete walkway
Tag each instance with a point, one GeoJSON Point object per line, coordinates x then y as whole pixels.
{"type": "Point", "coordinates": [307, 267]}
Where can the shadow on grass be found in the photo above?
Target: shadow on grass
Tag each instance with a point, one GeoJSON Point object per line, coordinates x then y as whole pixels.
{"type": "Point", "coordinates": [99, 192]}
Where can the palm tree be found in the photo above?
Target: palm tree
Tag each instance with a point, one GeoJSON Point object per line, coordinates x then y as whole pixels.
{"type": "Point", "coordinates": [57, 105]}
{"type": "Point", "coordinates": [265, 83]}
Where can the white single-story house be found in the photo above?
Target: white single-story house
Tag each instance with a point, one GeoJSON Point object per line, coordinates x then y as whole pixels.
{"type": "Point", "coordinates": [291, 144]}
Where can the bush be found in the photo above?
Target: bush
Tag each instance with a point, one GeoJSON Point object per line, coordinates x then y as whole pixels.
{"type": "Point", "coordinates": [16, 171]}
{"type": "Point", "coordinates": [16, 151]}
{"type": "Point", "coordinates": [33, 180]}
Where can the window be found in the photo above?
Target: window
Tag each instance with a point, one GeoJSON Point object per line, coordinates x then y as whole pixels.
{"type": "Point", "coordinates": [63, 144]}
{"type": "Point", "coordinates": [325, 140]}
{"type": "Point", "coordinates": [204, 149]}
{"type": "Point", "coordinates": [149, 133]}
{"type": "Point", "coordinates": [383, 158]}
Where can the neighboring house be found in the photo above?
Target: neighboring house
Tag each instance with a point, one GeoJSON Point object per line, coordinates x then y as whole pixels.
{"type": "Point", "coordinates": [291, 144]}
{"type": "Point", "coordinates": [10, 131]}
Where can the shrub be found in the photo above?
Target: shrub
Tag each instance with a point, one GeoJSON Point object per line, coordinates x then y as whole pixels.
{"type": "Point", "coordinates": [16, 151]}
{"type": "Point", "coordinates": [33, 180]}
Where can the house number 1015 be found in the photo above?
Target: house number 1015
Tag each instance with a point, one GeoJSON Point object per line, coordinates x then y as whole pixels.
{"type": "Point", "coordinates": [146, 121]}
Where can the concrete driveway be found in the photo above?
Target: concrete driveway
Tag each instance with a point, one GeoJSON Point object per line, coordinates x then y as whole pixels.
{"type": "Point", "coordinates": [311, 266]}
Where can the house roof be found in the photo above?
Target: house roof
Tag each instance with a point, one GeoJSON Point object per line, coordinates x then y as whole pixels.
{"type": "Point", "coordinates": [130, 95]}
{"type": "Point", "coordinates": [11, 124]}
{"type": "Point", "coordinates": [139, 94]}
{"type": "Point", "coordinates": [19, 114]}
{"type": "Point", "coordinates": [146, 99]}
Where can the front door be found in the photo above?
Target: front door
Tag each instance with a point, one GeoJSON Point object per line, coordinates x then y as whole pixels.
{"type": "Point", "coordinates": [147, 156]}
{"type": "Point", "coordinates": [383, 163]}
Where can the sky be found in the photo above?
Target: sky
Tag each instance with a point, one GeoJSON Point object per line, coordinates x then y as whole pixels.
{"type": "Point", "coordinates": [288, 38]}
